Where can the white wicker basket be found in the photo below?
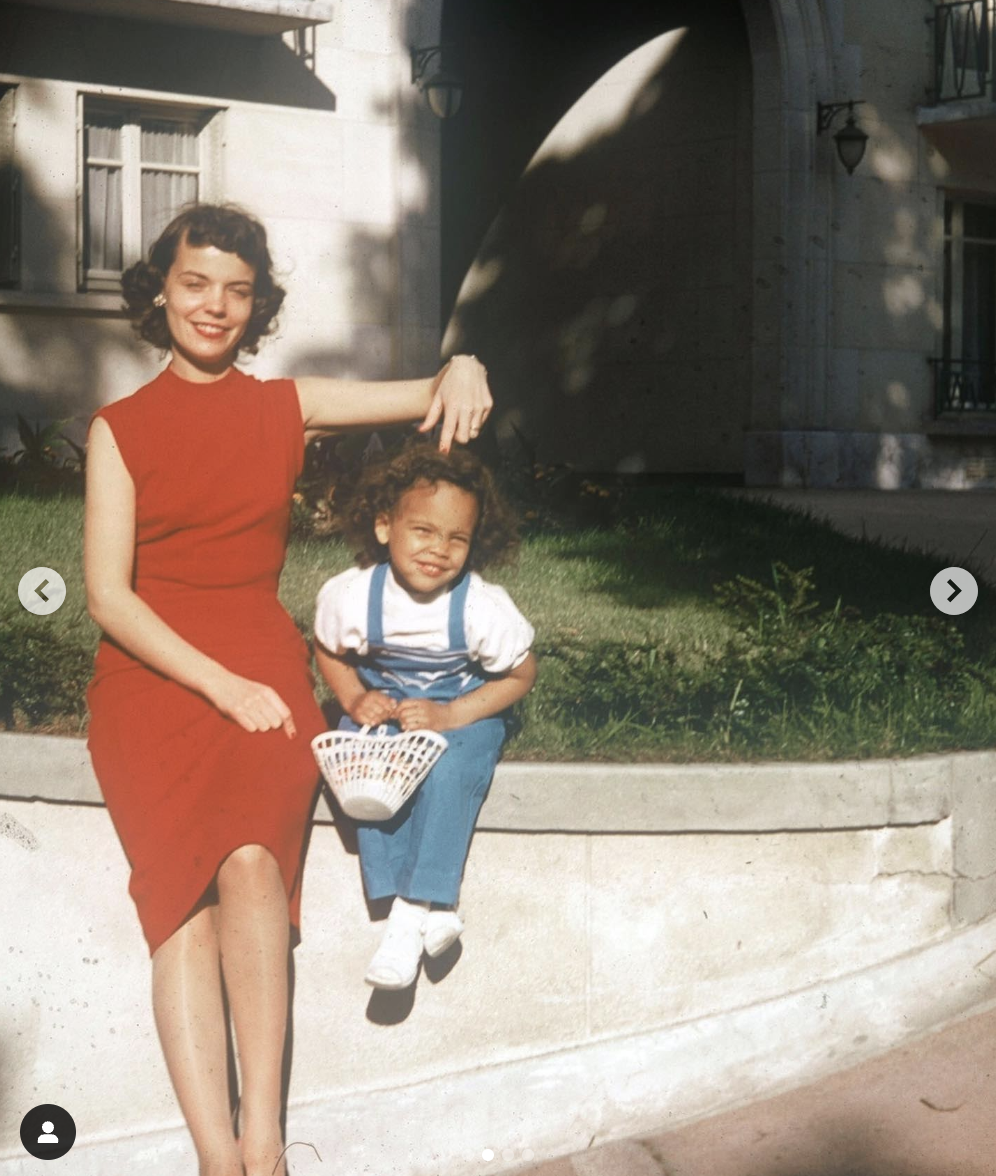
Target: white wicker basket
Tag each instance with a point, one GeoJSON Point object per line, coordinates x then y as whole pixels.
{"type": "Point", "coordinates": [372, 775]}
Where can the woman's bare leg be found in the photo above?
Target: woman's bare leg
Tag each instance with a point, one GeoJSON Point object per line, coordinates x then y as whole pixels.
{"type": "Point", "coordinates": [190, 1017]}
{"type": "Point", "coordinates": [254, 934]}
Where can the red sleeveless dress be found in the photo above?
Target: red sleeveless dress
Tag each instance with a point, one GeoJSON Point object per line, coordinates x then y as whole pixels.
{"type": "Point", "coordinates": [214, 467]}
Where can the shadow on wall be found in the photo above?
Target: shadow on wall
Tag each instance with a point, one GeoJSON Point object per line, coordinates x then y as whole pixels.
{"type": "Point", "coordinates": [391, 274]}
{"type": "Point", "coordinates": [170, 58]}
{"type": "Point", "coordinates": [611, 297]}
{"type": "Point", "coordinates": [53, 365]}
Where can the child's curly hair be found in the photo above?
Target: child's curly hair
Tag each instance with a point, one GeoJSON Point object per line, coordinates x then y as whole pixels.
{"type": "Point", "coordinates": [382, 483]}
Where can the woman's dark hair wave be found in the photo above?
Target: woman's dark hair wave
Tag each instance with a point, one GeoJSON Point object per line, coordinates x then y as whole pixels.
{"type": "Point", "coordinates": [226, 227]}
{"type": "Point", "coordinates": [383, 482]}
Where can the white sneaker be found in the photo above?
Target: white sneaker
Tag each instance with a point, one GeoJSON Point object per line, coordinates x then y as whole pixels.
{"type": "Point", "coordinates": [442, 930]}
{"type": "Point", "coordinates": [395, 963]}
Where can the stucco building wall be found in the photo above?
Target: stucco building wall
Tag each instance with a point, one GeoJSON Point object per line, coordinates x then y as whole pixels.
{"type": "Point", "coordinates": [336, 156]}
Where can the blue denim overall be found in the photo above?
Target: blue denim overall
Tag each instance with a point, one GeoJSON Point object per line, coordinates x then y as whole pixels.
{"type": "Point", "coordinates": [420, 852]}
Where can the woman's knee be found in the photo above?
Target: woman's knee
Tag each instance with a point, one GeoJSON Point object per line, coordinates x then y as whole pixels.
{"type": "Point", "coordinates": [249, 865]}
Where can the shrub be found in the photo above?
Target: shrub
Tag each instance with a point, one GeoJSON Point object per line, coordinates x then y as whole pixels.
{"type": "Point", "coordinates": [44, 675]}
{"type": "Point", "coordinates": [42, 464]}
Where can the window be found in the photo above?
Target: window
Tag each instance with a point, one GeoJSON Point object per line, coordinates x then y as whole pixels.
{"type": "Point", "coordinates": [968, 366]}
{"type": "Point", "coordinates": [962, 49]}
{"type": "Point", "coordinates": [10, 195]}
{"type": "Point", "coordinates": [140, 167]}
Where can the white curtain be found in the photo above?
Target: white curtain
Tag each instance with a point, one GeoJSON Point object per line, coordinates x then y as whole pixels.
{"type": "Point", "coordinates": [169, 142]}
{"type": "Point", "coordinates": [103, 197]}
{"type": "Point", "coordinates": [164, 193]}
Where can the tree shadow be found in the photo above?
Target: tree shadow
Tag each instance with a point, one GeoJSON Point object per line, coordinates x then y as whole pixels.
{"type": "Point", "coordinates": [835, 1146]}
{"type": "Point", "coordinates": [391, 272]}
{"type": "Point", "coordinates": [54, 359]}
{"type": "Point", "coordinates": [694, 539]}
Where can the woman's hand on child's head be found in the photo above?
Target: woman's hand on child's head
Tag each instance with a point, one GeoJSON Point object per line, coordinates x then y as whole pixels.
{"type": "Point", "coordinates": [373, 708]}
{"type": "Point", "coordinates": [461, 399]}
{"type": "Point", "coordinates": [419, 714]}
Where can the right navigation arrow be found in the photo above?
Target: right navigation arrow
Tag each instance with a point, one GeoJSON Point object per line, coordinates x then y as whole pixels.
{"type": "Point", "coordinates": [957, 590]}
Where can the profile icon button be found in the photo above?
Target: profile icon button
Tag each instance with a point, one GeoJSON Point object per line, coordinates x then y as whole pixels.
{"type": "Point", "coordinates": [47, 1132]}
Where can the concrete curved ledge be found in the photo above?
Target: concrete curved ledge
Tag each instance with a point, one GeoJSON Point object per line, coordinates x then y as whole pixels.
{"type": "Point", "coordinates": [564, 1102]}
{"type": "Point", "coordinates": [618, 798]}
{"type": "Point", "coordinates": [645, 945]}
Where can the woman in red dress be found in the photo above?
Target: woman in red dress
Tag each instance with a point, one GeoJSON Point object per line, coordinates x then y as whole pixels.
{"type": "Point", "coordinates": [201, 703]}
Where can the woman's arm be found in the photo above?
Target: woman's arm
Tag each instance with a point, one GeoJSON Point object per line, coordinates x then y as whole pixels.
{"type": "Point", "coordinates": [108, 563]}
{"type": "Point", "coordinates": [458, 395]}
{"type": "Point", "coordinates": [365, 707]}
{"type": "Point", "coordinates": [487, 700]}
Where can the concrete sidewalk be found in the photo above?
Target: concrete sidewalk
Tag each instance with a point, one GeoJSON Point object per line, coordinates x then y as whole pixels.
{"type": "Point", "coordinates": [957, 525]}
{"type": "Point", "coordinates": [926, 1109]}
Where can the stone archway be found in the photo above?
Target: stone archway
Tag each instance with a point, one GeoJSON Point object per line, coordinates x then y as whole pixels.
{"type": "Point", "coordinates": [780, 381]}
{"type": "Point", "coordinates": [793, 70]}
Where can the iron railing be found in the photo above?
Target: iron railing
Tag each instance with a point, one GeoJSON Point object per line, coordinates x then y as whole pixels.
{"type": "Point", "coordinates": [963, 50]}
{"type": "Point", "coordinates": [964, 386]}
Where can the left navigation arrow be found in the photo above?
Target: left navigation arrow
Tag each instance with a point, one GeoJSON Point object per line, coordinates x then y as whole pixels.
{"type": "Point", "coordinates": [41, 591]}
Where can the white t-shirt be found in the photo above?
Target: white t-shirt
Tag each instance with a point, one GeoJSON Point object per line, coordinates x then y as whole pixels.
{"type": "Point", "coordinates": [498, 635]}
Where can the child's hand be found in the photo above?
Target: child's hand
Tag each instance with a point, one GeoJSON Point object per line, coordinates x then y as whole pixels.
{"type": "Point", "coordinates": [416, 714]}
{"type": "Point", "coordinates": [372, 708]}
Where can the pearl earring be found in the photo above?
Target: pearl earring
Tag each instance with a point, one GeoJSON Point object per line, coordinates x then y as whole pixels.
{"type": "Point", "coordinates": [159, 300]}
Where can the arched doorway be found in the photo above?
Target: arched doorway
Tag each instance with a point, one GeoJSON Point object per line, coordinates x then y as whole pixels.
{"type": "Point", "coordinates": [617, 241]}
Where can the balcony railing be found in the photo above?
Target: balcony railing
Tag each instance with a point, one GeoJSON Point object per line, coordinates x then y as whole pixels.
{"type": "Point", "coordinates": [964, 386]}
{"type": "Point", "coordinates": [963, 50]}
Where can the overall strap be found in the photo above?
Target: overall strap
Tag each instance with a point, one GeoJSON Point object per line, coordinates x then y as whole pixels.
{"type": "Point", "coordinates": [375, 606]}
{"type": "Point", "coordinates": [458, 599]}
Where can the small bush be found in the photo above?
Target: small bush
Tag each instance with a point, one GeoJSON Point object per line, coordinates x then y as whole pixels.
{"type": "Point", "coordinates": [44, 675]}
{"type": "Point", "coordinates": [47, 462]}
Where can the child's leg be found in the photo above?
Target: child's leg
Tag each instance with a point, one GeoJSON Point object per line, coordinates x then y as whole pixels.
{"type": "Point", "coordinates": [419, 854]}
{"type": "Point", "coordinates": [383, 845]}
{"type": "Point", "coordinates": [444, 813]}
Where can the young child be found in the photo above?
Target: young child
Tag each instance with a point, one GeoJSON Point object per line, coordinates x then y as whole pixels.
{"type": "Point", "coordinates": [414, 637]}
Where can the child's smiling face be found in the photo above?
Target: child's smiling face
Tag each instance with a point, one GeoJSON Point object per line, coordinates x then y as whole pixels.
{"type": "Point", "coordinates": [428, 535]}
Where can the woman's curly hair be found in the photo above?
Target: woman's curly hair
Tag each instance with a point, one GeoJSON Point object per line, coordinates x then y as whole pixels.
{"type": "Point", "coordinates": [384, 481]}
{"type": "Point", "coordinates": [226, 227]}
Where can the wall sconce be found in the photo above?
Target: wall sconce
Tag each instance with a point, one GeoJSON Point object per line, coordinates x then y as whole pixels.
{"type": "Point", "coordinates": [442, 87]}
{"type": "Point", "coordinates": [851, 140]}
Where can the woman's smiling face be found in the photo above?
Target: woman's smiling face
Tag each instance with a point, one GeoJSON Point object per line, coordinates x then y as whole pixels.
{"type": "Point", "coordinates": [209, 302]}
{"type": "Point", "coordinates": [428, 536]}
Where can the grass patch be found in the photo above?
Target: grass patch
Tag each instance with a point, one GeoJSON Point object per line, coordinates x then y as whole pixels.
{"type": "Point", "coordinates": [691, 626]}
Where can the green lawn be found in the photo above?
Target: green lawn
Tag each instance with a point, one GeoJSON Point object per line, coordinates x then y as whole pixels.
{"type": "Point", "coordinates": [650, 648]}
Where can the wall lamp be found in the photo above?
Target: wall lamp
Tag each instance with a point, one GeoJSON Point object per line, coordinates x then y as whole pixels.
{"type": "Point", "coordinates": [851, 140]}
{"type": "Point", "coordinates": [442, 86]}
